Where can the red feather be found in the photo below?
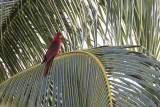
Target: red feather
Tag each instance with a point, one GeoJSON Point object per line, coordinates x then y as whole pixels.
{"type": "Point", "coordinates": [52, 51]}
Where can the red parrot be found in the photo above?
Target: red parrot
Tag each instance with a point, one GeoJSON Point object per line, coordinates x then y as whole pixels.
{"type": "Point", "coordinates": [52, 51]}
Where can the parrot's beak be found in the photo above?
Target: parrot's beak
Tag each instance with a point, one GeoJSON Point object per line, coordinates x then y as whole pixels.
{"type": "Point", "coordinates": [60, 36]}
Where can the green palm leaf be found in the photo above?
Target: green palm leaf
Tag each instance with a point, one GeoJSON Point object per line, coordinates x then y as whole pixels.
{"type": "Point", "coordinates": [103, 76]}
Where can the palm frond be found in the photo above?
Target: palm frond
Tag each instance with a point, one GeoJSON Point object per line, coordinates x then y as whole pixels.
{"type": "Point", "coordinates": [85, 24]}
{"type": "Point", "coordinates": [8, 10]}
{"type": "Point", "coordinates": [74, 79]}
{"type": "Point", "coordinates": [103, 76]}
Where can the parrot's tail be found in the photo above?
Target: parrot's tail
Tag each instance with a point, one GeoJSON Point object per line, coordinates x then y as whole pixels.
{"type": "Point", "coordinates": [46, 68]}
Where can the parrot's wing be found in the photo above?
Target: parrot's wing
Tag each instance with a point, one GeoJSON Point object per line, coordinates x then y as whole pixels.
{"type": "Point", "coordinates": [52, 51]}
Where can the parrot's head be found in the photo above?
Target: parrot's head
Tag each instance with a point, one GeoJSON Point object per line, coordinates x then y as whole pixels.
{"type": "Point", "coordinates": [57, 36]}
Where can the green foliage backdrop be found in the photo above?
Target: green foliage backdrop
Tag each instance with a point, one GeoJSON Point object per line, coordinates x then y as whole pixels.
{"type": "Point", "coordinates": [115, 22]}
{"type": "Point", "coordinates": [28, 26]}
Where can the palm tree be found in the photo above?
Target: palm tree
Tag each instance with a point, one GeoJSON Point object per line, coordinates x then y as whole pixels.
{"type": "Point", "coordinates": [101, 75]}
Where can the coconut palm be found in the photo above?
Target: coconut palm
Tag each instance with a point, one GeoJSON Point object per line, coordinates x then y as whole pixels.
{"type": "Point", "coordinates": [106, 73]}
